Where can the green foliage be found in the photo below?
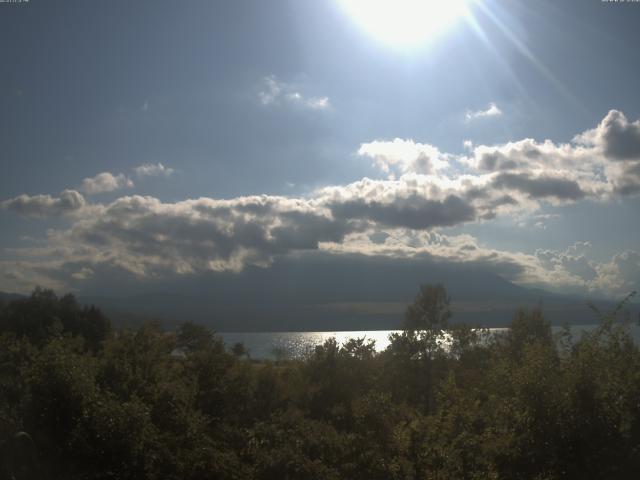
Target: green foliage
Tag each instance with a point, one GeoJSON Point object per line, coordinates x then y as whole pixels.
{"type": "Point", "coordinates": [430, 310]}
{"type": "Point", "coordinates": [441, 402]}
{"type": "Point", "coordinates": [192, 337]}
{"type": "Point", "coordinates": [44, 315]}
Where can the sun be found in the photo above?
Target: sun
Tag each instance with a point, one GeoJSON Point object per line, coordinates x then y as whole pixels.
{"type": "Point", "coordinates": [405, 23]}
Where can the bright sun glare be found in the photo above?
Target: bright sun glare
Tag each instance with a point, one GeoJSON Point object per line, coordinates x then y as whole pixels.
{"type": "Point", "coordinates": [405, 23]}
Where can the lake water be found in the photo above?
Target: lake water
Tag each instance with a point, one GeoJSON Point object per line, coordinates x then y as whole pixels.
{"type": "Point", "coordinates": [268, 345]}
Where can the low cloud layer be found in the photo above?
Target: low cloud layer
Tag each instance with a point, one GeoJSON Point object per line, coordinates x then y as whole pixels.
{"type": "Point", "coordinates": [402, 214]}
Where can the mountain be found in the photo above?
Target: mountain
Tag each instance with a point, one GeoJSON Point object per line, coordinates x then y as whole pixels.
{"type": "Point", "coordinates": [351, 293]}
{"type": "Point", "coordinates": [331, 293]}
{"type": "Point", "coordinates": [8, 297]}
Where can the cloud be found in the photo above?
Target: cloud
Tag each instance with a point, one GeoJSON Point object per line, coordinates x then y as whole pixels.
{"type": "Point", "coordinates": [569, 270]}
{"type": "Point", "coordinates": [461, 249]}
{"type": "Point", "coordinates": [400, 156]}
{"type": "Point", "coordinates": [538, 221]}
{"type": "Point", "coordinates": [69, 201]}
{"type": "Point", "coordinates": [413, 212]}
{"type": "Point", "coordinates": [621, 274]}
{"type": "Point", "coordinates": [422, 191]}
{"type": "Point", "coordinates": [517, 176]}
{"type": "Point", "coordinates": [491, 111]}
{"type": "Point", "coordinates": [276, 92]}
{"type": "Point", "coordinates": [144, 238]}
{"type": "Point", "coordinates": [572, 261]}
{"type": "Point", "coordinates": [318, 103]}
{"type": "Point", "coordinates": [530, 155]}
{"type": "Point", "coordinates": [600, 163]}
{"type": "Point", "coordinates": [105, 182]}
{"type": "Point", "coordinates": [618, 141]}
{"type": "Point", "coordinates": [539, 186]}
{"type": "Point", "coordinates": [153, 170]}
{"type": "Point", "coordinates": [83, 274]}
{"type": "Point", "coordinates": [618, 138]}
{"type": "Point", "coordinates": [147, 237]}
{"type": "Point", "coordinates": [272, 91]}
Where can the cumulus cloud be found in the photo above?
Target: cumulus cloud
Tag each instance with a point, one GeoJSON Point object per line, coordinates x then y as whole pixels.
{"type": "Point", "coordinates": [400, 156]}
{"type": "Point", "coordinates": [516, 176]}
{"type": "Point", "coordinates": [618, 141]}
{"type": "Point", "coordinates": [542, 186]}
{"type": "Point", "coordinates": [600, 163]}
{"type": "Point", "coordinates": [424, 191]}
{"type": "Point", "coordinates": [69, 201]}
{"type": "Point", "coordinates": [491, 111]}
{"type": "Point", "coordinates": [105, 182]}
{"type": "Point", "coordinates": [276, 92]}
{"type": "Point", "coordinates": [146, 236]}
{"type": "Point", "coordinates": [413, 212]}
{"type": "Point", "coordinates": [618, 138]}
{"type": "Point", "coordinates": [572, 261]}
{"type": "Point", "coordinates": [153, 170]}
{"type": "Point", "coordinates": [621, 274]}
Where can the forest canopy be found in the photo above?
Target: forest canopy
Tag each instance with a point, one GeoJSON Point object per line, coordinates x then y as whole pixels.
{"type": "Point", "coordinates": [91, 401]}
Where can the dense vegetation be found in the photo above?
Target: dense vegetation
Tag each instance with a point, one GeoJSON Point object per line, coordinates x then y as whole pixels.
{"type": "Point", "coordinates": [144, 403]}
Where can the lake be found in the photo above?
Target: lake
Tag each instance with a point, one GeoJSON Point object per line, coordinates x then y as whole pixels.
{"type": "Point", "coordinates": [266, 345]}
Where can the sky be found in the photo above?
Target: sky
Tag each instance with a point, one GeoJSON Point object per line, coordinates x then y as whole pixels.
{"type": "Point", "coordinates": [147, 144]}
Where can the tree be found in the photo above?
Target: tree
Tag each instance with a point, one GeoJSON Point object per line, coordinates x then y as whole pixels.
{"type": "Point", "coordinates": [239, 350]}
{"type": "Point", "coordinates": [430, 310]}
{"type": "Point", "coordinates": [44, 316]}
{"type": "Point", "coordinates": [193, 337]}
{"type": "Point", "coordinates": [414, 352]}
{"type": "Point", "coordinates": [528, 328]}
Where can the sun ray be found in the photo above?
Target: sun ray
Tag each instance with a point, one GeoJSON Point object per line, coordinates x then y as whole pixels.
{"type": "Point", "coordinates": [532, 58]}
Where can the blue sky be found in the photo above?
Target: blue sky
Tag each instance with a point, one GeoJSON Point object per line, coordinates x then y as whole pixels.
{"type": "Point", "coordinates": [158, 140]}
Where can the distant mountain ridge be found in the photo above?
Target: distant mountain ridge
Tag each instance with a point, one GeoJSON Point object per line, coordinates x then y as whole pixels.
{"type": "Point", "coordinates": [338, 294]}
{"type": "Point", "coordinates": [8, 297]}
{"type": "Point", "coordinates": [173, 309]}
{"type": "Point", "coordinates": [352, 293]}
